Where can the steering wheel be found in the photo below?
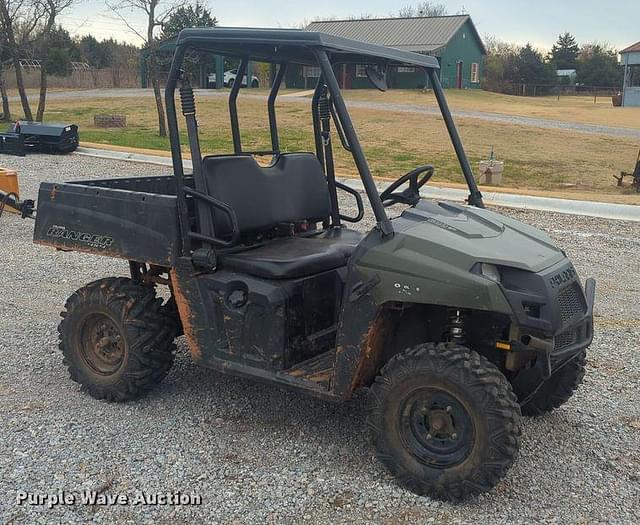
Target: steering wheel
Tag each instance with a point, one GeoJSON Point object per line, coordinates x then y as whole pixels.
{"type": "Point", "coordinates": [411, 195]}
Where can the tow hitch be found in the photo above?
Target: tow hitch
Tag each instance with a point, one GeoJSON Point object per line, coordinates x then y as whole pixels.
{"type": "Point", "coordinates": [26, 207]}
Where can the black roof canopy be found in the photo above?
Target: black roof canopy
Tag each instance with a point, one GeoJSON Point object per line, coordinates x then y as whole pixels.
{"type": "Point", "coordinates": [294, 45]}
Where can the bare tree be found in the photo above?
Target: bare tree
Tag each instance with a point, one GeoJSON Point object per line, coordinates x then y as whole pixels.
{"type": "Point", "coordinates": [18, 21]}
{"type": "Point", "coordinates": [50, 9]}
{"type": "Point", "coordinates": [423, 9]}
{"type": "Point", "coordinates": [6, 109]}
{"type": "Point", "coordinates": [157, 14]}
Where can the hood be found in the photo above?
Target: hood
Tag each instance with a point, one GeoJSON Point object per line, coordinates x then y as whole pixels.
{"type": "Point", "coordinates": [464, 235]}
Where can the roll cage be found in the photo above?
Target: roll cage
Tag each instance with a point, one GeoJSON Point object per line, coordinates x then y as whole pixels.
{"type": "Point", "coordinates": [280, 48]}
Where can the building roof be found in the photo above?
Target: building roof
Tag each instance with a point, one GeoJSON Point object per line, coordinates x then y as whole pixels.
{"type": "Point", "coordinates": [635, 48]}
{"type": "Point", "coordinates": [418, 34]}
{"type": "Point", "coordinates": [294, 45]}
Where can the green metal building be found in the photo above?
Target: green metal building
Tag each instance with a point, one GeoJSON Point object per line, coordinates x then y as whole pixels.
{"type": "Point", "coordinates": [454, 40]}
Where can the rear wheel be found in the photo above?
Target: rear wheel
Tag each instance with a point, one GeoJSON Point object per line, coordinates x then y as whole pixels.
{"type": "Point", "coordinates": [116, 341]}
{"type": "Point", "coordinates": [255, 83]}
{"type": "Point", "coordinates": [556, 390]}
{"type": "Point", "coordinates": [444, 421]}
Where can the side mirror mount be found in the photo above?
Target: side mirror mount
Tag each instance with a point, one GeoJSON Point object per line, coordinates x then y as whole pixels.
{"type": "Point", "coordinates": [378, 79]}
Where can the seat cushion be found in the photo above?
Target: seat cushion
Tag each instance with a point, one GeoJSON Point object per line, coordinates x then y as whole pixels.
{"type": "Point", "coordinates": [293, 257]}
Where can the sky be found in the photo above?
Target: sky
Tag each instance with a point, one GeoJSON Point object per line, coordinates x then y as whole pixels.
{"type": "Point", "coordinates": [538, 22]}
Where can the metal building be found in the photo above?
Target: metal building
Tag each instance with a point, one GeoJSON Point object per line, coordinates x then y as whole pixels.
{"type": "Point", "coordinates": [631, 62]}
{"type": "Point", "coordinates": [453, 40]}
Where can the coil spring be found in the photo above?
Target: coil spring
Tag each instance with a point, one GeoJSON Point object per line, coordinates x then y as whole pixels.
{"type": "Point", "coordinates": [187, 100]}
{"type": "Point", "coordinates": [456, 326]}
{"type": "Point", "coordinates": [323, 107]}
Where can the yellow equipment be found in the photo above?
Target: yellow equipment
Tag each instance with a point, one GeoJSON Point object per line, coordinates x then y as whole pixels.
{"type": "Point", "coordinates": [9, 184]}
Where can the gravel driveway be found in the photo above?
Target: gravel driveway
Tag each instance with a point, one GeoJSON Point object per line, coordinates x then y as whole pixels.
{"type": "Point", "coordinates": [258, 454]}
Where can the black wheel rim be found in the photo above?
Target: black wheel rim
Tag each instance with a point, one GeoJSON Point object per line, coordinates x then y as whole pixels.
{"type": "Point", "coordinates": [436, 428]}
{"type": "Point", "coordinates": [101, 343]}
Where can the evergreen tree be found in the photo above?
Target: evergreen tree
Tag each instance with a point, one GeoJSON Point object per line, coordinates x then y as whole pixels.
{"type": "Point", "coordinates": [191, 15]}
{"type": "Point", "coordinates": [531, 67]}
{"type": "Point", "coordinates": [598, 66]}
{"type": "Point", "coordinates": [564, 53]}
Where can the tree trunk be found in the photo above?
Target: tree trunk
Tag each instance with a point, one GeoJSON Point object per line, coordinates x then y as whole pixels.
{"type": "Point", "coordinates": [46, 36]}
{"type": "Point", "coordinates": [10, 39]}
{"type": "Point", "coordinates": [6, 110]}
{"type": "Point", "coordinates": [43, 92]}
{"type": "Point", "coordinates": [20, 82]}
{"type": "Point", "coordinates": [155, 83]}
{"type": "Point", "coordinates": [153, 66]}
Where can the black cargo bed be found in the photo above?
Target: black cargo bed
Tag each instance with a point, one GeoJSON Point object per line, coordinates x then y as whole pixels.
{"type": "Point", "coordinates": [131, 218]}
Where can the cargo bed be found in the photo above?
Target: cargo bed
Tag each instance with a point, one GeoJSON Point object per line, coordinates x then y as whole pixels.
{"type": "Point", "coordinates": [130, 218]}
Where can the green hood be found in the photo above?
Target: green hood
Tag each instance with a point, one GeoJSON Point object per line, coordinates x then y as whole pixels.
{"type": "Point", "coordinates": [464, 235]}
{"type": "Point", "coordinates": [435, 245]}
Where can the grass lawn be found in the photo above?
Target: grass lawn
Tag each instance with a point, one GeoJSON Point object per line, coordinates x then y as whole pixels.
{"type": "Point", "coordinates": [539, 159]}
{"type": "Point", "coordinates": [568, 108]}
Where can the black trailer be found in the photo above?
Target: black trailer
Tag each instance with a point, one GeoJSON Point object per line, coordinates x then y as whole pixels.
{"type": "Point", "coordinates": [46, 137]}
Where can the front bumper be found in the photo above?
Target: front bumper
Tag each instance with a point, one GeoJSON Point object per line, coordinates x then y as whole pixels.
{"type": "Point", "coordinates": [551, 356]}
{"type": "Point", "coordinates": [552, 353]}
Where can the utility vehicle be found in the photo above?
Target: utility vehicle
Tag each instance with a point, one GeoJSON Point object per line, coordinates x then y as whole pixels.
{"type": "Point", "coordinates": [457, 318]}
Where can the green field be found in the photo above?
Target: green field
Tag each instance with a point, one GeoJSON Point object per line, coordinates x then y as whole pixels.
{"type": "Point", "coordinates": [563, 161]}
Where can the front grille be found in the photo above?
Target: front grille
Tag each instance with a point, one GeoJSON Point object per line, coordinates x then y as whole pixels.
{"type": "Point", "coordinates": [564, 339]}
{"type": "Point", "coordinates": [572, 304]}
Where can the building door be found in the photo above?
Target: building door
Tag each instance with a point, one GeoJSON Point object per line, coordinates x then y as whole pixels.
{"type": "Point", "coordinates": [459, 65]}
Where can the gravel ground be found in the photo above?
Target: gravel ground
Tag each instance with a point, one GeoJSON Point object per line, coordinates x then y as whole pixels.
{"type": "Point", "coordinates": [258, 454]}
{"type": "Point", "coordinates": [613, 131]}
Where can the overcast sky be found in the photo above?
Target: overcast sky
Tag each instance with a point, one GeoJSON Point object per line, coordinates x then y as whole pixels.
{"type": "Point", "coordinates": [520, 21]}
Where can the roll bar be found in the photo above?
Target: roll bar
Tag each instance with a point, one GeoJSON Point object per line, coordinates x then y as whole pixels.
{"type": "Point", "coordinates": [327, 84]}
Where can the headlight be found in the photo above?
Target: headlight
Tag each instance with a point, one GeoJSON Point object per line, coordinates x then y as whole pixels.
{"type": "Point", "coordinates": [490, 271]}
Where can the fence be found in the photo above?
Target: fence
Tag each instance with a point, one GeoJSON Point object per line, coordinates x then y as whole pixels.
{"type": "Point", "coordinates": [562, 90]}
{"type": "Point", "coordinates": [124, 77]}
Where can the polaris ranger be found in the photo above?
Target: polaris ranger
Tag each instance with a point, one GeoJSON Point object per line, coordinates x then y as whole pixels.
{"type": "Point", "coordinates": [456, 318]}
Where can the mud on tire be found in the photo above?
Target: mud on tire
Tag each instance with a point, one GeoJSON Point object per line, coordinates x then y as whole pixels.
{"type": "Point", "coordinates": [556, 390]}
{"type": "Point", "coordinates": [444, 421]}
{"type": "Point", "coordinates": [115, 338]}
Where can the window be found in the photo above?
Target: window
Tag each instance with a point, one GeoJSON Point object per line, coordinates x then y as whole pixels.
{"type": "Point", "coordinates": [404, 69]}
{"type": "Point", "coordinates": [475, 73]}
{"type": "Point", "coordinates": [311, 72]}
{"type": "Point", "coordinates": [361, 71]}
{"type": "Point", "coordinates": [633, 76]}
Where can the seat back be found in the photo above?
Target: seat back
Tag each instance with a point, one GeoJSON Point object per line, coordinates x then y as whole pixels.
{"type": "Point", "coordinates": [292, 189]}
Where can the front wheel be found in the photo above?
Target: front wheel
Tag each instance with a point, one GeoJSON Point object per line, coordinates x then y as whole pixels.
{"type": "Point", "coordinates": [444, 421]}
{"type": "Point", "coordinates": [116, 340]}
{"type": "Point", "coordinates": [556, 390]}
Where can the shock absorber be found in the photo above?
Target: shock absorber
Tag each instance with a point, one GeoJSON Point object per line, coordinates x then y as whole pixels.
{"type": "Point", "coordinates": [323, 108]}
{"type": "Point", "coordinates": [187, 100]}
{"type": "Point", "coordinates": [457, 324]}
{"type": "Point", "coordinates": [324, 115]}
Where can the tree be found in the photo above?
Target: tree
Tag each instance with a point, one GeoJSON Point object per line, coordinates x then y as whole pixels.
{"type": "Point", "coordinates": [564, 53]}
{"type": "Point", "coordinates": [196, 15]}
{"type": "Point", "coordinates": [531, 68]}
{"type": "Point", "coordinates": [500, 72]}
{"type": "Point", "coordinates": [157, 14]}
{"type": "Point", "coordinates": [597, 65]}
{"type": "Point", "coordinates": [18, 22]}
{"type": "Point", "coordinates": [423, 9]}
{"type": "Point", "coordinates": [6, 109]}
{"type": "Point", "coordinates": [51, 9]}
{"type": "Point", "coordinates": [98, 54]}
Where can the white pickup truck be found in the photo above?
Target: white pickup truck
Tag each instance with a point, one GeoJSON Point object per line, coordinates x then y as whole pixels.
{"type": "Point", "coordinates": [230, 78]}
